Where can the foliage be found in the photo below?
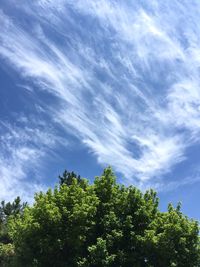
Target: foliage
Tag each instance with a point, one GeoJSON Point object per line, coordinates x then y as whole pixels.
{"type": "Point", "coordinates": [67, 178]}
{"type": "Point", "coordinates": [102, 225]}
{"type": "Point", "coordinates": [7, 211]}
{"type": "Point", "coordinates": [6, 255]}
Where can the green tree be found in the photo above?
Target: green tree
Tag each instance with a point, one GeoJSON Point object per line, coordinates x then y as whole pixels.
{"type": "Point", "coordinates": [68, 177]}
{"type": "Point", "coordinates": [7, 211]}
{"type": "Point", "coordinates": [56, 230]}
{"type": "Point", "coordinates": [173, 240]}
{"type": "Point", "coordinates": [103, 224]}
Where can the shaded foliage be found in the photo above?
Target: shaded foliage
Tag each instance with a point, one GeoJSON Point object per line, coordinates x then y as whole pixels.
{"type": "Point", "coordinates": [68, 177]}
{"type": "Point", "coordinates": [8, 211]}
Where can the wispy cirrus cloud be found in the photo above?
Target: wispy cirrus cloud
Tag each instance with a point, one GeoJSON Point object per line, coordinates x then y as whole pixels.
{"type": "Point", "coordinates": [125, 78]}
{"type": "Point", "coordinates": [24, 146]}
{"type": "Point", "coordinates": [17, 158]}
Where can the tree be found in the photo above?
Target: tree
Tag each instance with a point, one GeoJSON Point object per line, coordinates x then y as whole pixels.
{"type": "Point", "coordinates": [7, 211]}
{"type": "Point", "coordinates": [68, 177]}
{"type": "Point", "coordinates": [55, 231]}
{"type": "Point", "coordinates": [173, 240]}
{"type": "Point", "coordinates": [11, 209]}
{"type": "Point", "coordinates": [103, 224]}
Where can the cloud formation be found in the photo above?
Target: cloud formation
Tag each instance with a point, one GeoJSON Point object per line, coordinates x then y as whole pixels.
{"type": "Point", "coordinates": [125, 78]}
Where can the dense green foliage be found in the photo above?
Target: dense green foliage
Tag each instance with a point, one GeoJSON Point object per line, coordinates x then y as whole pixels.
{"type": "Point", "coordinates": [100, 225]}
{"type": "Point", "coordinates": [7, 211]}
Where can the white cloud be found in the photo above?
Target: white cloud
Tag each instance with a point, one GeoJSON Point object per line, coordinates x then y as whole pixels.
{"type": "Point", "coordinates": [152, 85]}
{"type": "Point", "coordinates": [22, 154]}
{"type": "Point", "coordinates": [15, 168]}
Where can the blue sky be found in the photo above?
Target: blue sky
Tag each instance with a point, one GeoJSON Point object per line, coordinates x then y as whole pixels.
{"type": "Point", "coordinates": [87, 84]}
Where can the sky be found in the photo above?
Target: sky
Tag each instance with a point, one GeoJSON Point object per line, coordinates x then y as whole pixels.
{"type": "Point", "coordinates": [87, 84]}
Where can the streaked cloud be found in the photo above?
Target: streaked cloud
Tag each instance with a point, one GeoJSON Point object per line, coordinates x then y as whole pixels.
{"type": "Point", "coordinates": [125, 78]}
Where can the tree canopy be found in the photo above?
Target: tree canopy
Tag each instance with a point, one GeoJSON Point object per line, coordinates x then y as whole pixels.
{"type": "Point", "coordinates": [103, 224]}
